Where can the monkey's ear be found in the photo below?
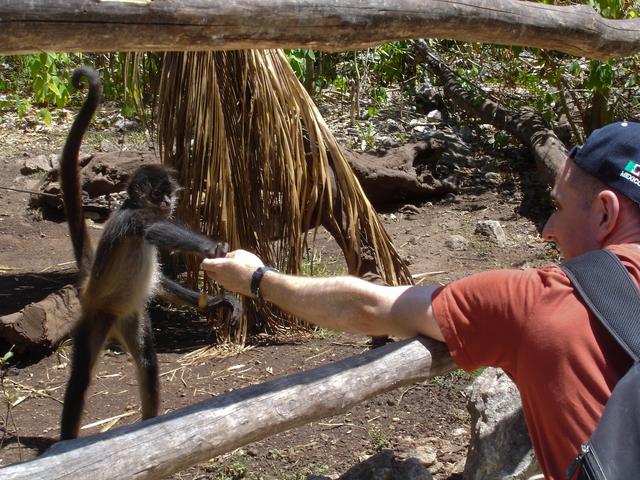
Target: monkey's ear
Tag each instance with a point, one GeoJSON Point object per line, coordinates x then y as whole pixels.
{"type": "Point", "coordinates": [172, 172]}
{"type": "Point", "coordinates": [175, 186]}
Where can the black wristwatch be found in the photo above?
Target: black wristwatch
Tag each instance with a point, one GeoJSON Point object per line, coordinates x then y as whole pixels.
{"type": "Point", "coordinates": [256, 278]}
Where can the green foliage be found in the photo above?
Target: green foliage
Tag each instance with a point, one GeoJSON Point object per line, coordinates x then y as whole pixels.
{"type": "Point", "coordinates": [379, 95]}
{"type": "Point", "coordinates": [341, 83]}
{"type": "Point", "coordinates": [5, 359]}
{"type": "Point", "coordinates": [130, 78]}
{"type": "Point", "coordinates": [601, 76]}
{"type": "Point", "coordinates": [314, 267]}
{"type": "Point", "coordinates": [298, 61]}
{"type": "Point", "coordinates": [232, 467]}
{"type": "Point", "coordinates": [323, 333]}
{"type": "Point", "coordinates": [378, 440]}
{"type": "Point", "coordinates": [367, 133]}
{"type": "Point", "coordinates": [392, 62]}
{"type": "Point", "coordinates": [501, 139]}
{"type": "Point", "coordinates": [615, 9]}
{"type": "Point", "coordinates": [50, 73]}
{"type": "Point", "coordinates": [607, 8]}
{"type": "Point", "coordinates": [44, 80]}
{"type": "Point", "coordinates": [374, 69]}
{"type": "Point", "coordinates": [585, 93]}
{"type": "Point", "coordinates": [40, 80]}
{"type": "Point", "coordinates": [21, 105]}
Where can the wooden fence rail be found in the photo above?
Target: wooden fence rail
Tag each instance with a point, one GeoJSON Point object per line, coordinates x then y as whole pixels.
{"type": "Point", "coordinates": [31, 26]}
{"type": "Point", "coordinates": [160, 446]}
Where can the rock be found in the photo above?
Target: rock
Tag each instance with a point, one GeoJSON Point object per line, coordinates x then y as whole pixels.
{"type": "Point", "coordinates": [426, 455]}
{"type": "Point", "coordinates": [457, 153]}
{"type": "Point", "coordinates": [384, 465]}
{"type": "Point", "coordinates": [386, 141]}
{"type": "Point", "coordinates": [493, 230]}
{"type": "Point", "coordinates": [41, 163]}
{"type": "Point", "coordinates": [409, 209]}
{"type": "Point", "coordinates": [107, 146]}
{"type": "Point", "coordinates": [434, 116]}
{"type": "Point", "coordinates": [427, 98]}
{"type": "Point", "coordinates": [392, 125]}
{"type": "Point", "coordinates": [126, 124]}
{"type": "Point", "coordinates": [466, 134]}
{"type": "Point", "coordinates": [451, 197]}
{"type": "Point", "coordinates": [456, 242]}
{"type": "Point", "coordinates": [500, 447]}
{"type": "Point", "coordinates": [493, 178]}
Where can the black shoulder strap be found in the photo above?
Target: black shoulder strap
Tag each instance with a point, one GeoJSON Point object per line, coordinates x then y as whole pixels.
{"type": "Point", "coordinates": [607, 288]}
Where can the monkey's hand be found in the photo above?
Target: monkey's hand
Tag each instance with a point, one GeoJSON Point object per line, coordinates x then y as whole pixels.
{"type": "Point", "coordinates": [228, 301]}
{"type": "Point", "coordinates": [218, 250]}
{"type": "Point", "coordinates": [176, 293]}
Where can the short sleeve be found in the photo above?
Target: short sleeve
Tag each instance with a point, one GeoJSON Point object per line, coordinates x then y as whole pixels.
{"type": "Point", "coordinates": [483, 316]}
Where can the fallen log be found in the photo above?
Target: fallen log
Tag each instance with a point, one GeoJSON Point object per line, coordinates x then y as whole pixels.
{"type": "Point", "coordinates": [40, 326]}
{"type": "Point", "coordinates": [160, 446]}
{"type": "Point", "coordinates": [33, 26]}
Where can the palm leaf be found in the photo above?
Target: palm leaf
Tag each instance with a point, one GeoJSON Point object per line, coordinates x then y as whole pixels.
{"type": "Point", "coordinates": [255, 155]}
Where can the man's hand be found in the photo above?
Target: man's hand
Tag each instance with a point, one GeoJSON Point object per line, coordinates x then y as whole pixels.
{"type": "Point", "coordinates": [233, 272]}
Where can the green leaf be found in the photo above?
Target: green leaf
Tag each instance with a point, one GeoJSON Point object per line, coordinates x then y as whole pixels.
{"type": "Point", "coordinates": [45, 115]}
{"type": "Point", "coordinates": [6, 357]}
{"type": "Point", "coordinates": [53, 88]}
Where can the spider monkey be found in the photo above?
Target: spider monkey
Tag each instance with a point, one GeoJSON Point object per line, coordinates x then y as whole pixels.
{"type": "Point", "coordinates": [117, 279]}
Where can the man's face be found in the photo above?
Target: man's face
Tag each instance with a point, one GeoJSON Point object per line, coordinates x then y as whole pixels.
{"type": "Point", "coordinates": [571, 226]}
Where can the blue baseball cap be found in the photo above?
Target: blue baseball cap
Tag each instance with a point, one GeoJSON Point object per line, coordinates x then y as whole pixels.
{"type": "Point", "coordinates": [612, 155]}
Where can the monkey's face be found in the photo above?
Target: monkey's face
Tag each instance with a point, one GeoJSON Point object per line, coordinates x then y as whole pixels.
{"type": "Point", "coordinates": [152, 187]}
{"type": "Point", "coordinates": [163, 199]}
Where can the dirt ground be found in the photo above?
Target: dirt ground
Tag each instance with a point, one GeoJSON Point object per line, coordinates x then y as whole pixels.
{"type": "Point", "coordinates": [428, 421]}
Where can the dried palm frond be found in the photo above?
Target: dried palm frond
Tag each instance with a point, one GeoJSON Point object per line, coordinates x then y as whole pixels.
{"type": "Point", "coordinates": [256, 158]}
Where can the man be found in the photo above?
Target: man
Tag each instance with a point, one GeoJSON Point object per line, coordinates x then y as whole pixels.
{"type": "Point", "coordinates": [528, 322]}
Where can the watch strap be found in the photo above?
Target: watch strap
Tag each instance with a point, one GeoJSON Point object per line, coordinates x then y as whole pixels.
{"type": "Point", "coordinates": [256, 278]}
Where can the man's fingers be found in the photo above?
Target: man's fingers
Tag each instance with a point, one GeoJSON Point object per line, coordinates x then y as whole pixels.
{"type": "Point", "coordinates": [210, 264]}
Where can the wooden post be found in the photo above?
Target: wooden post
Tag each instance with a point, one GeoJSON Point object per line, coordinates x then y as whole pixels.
{"type": "Point", "coordinates": [160, 446]}
{"type": "Point", "coordinates": [32, 26]}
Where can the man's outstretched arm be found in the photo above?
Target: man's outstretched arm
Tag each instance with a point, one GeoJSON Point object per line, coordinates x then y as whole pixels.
{"type": "Point", "coordinates": [343, 303]}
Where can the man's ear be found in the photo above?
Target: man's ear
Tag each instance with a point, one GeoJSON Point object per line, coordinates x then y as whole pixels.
{"type": "Point", "coordinates": [608, 213]}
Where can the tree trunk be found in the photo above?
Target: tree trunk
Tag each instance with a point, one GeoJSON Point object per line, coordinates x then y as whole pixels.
{"type": "Point", "coordinates": [33, 26]}
{"type": "Point", "coordinates": [526, 126]}
{"type": "Point", "coordinates": [39, 327]}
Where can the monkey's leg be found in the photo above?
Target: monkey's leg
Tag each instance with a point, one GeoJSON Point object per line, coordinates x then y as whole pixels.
{"type": "Point", "coordinates": [137, 336]}
{"type": "Point", "coordinates": [88, 339]}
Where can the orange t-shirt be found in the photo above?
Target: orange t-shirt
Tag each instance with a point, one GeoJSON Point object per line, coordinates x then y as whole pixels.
{"type": "Point", "coordinates": [531, 324]}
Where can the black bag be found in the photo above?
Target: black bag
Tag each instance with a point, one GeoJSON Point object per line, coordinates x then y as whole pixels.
{"type": "Point", "coordinates": [613, 450]}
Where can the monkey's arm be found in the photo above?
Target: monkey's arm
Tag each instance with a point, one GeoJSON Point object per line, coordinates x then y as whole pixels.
{"type": "Point", "coordinates": [166, 234]}
{"type": "Point", "coordinates": [176, 293]}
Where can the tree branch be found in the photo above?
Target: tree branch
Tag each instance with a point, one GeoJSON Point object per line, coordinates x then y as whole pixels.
{"type": "Point", "coordinates": [31, 26]}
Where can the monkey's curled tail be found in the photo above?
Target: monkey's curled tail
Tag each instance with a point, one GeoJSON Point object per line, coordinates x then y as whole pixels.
{"type": "Point", "coordinates": [70, 169]}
